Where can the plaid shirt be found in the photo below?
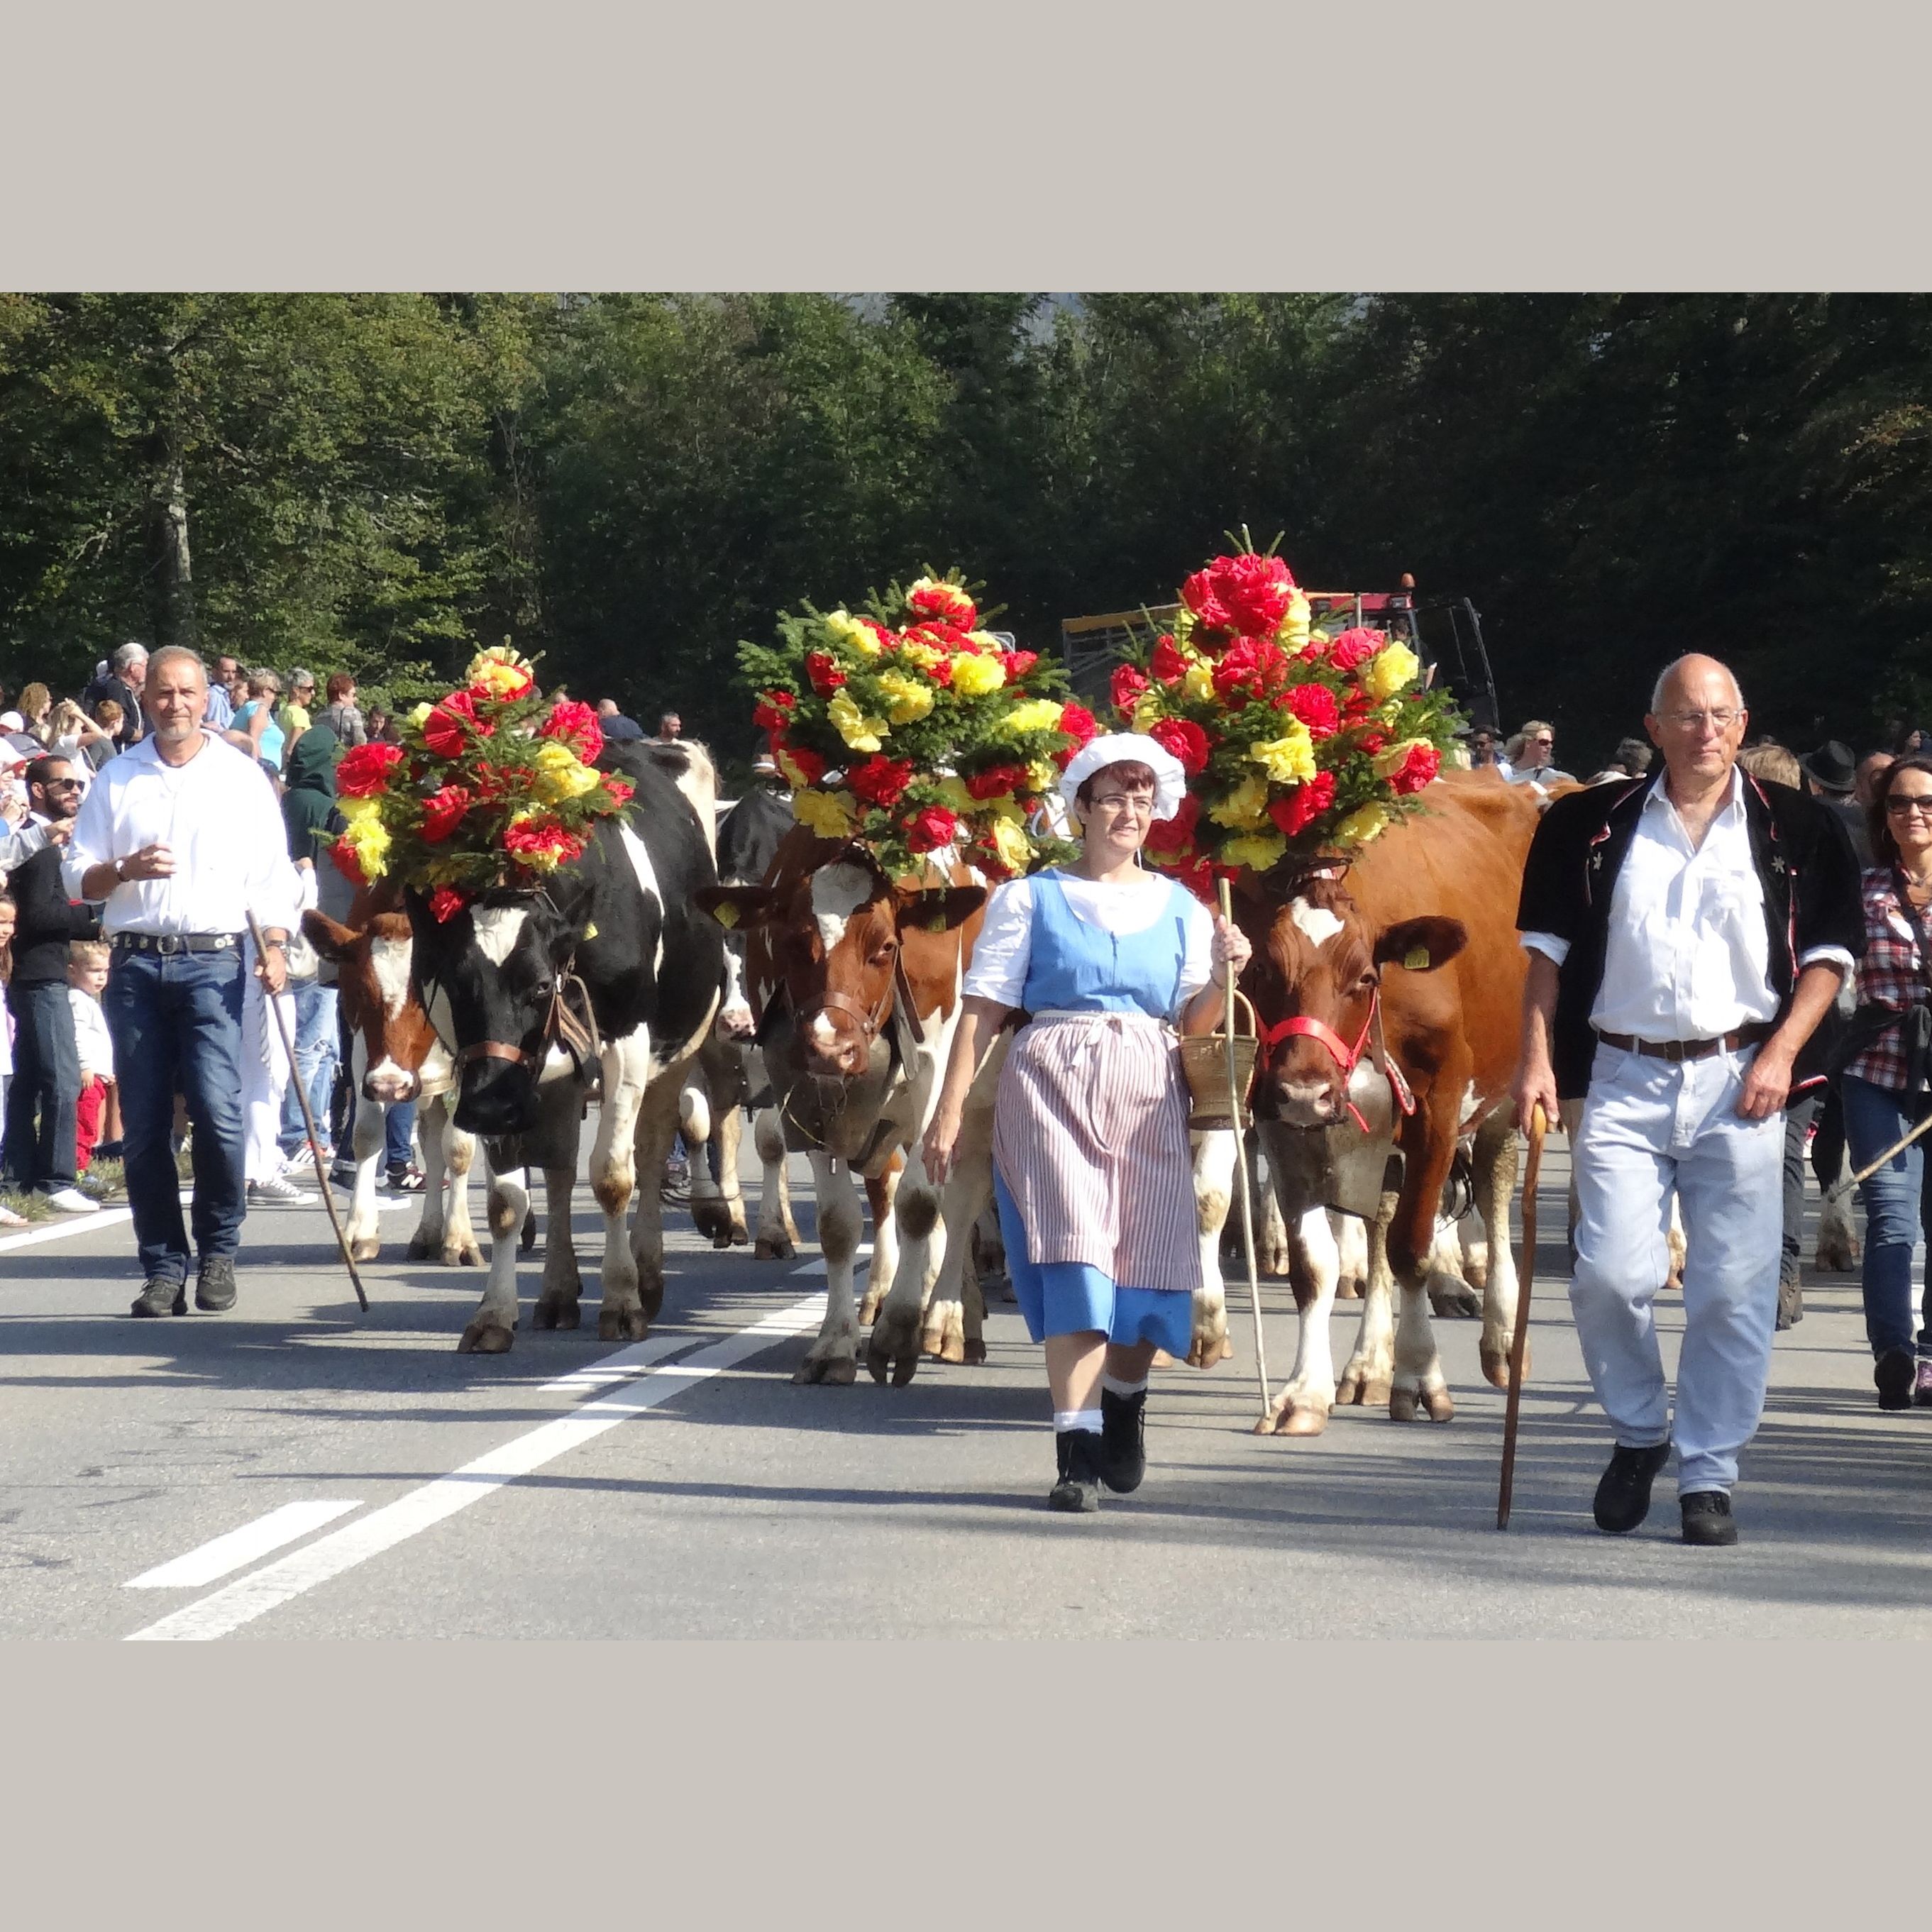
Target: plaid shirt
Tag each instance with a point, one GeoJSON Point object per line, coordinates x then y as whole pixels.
{"type": "Point", "coordinates": [1892, 973]}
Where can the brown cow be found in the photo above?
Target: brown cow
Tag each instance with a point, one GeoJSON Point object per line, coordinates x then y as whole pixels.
{"type": "Point", "coordinates": [1410, 957]}
{"type": "Point", "coordinates": [856, 980]}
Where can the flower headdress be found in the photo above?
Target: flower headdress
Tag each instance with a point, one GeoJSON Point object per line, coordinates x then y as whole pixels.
{"type": "Point", "coordinates": [908, 728]}
{"type": "Point", "coordinates": [1294, 742]}
{"type": "Point", "coordinates": [492, 786]}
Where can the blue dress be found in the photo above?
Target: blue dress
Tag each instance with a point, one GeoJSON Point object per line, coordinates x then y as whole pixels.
{"type": "Point", "coordinates": [1091, 1130]}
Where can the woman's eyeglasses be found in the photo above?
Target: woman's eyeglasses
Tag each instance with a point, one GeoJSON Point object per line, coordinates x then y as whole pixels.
{"type": "Point", "coordinates": [1116, 801]}
{"type": "Point", "coordinates": [1919, 801]}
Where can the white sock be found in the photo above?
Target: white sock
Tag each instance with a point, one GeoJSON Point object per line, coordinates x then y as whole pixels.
{"type": "Point", "coordinates": [1064, 1419]}
{"type": "Point", "coordinates": [1114, 1385]}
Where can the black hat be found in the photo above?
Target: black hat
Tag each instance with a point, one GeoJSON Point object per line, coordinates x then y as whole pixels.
{"type": "Point", "coordinates": [1832, 767]}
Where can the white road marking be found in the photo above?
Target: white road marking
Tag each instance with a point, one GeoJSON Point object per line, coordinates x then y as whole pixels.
{"type": "Point", "coordinates": [77, 1224]}
{"type": "Point", "coordinates": [242, 1601]}
{"type": "Point", "coordinates": [859, 1254]}
{"type": "Point", "coordinates": [239, 1546]}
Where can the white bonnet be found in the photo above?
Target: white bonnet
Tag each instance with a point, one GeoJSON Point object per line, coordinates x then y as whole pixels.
{"type": "Point", "coordinates": [1114, 748]}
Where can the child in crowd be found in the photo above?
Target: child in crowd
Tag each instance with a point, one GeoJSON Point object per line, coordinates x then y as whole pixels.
{"type": "Point", "coordinates": [8, 914]}
{"type": "Point", "coordinates": [86, 981]}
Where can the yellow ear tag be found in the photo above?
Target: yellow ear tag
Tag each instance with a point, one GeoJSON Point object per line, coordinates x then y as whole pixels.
{"type": "Point", "coordinates": [726, 915]}
{"type": "Point", "coordinates": [590, 932]}
{"type": "Point", "coordinates": [1416, 959]}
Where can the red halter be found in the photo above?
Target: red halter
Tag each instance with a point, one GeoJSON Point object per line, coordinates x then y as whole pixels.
{"type": "Point", "coordinates": [1345, 1057]}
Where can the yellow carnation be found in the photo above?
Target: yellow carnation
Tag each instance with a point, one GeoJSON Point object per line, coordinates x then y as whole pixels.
{"type": "Point", "coordinates": [1183, 627]}
{"type": "Point", "coordinates": [1293, 635]}
{"type": "Point", "coordinates": [923, 656]}
{"type": "Point", "coordinates": [500, 671]}
{"type": "Point", "coordinates": [421, 712]}
{"type": "Point", "coordinates": [561, 773]}
{"type": "Point", "coordinates": [1245, 806]}
{"type": "Point", "coordinates": [1389, 671]}
{"type": "Point", "coordinates": [906, 699]}
{"type": "Point", "coordinates": [1289, 759]}
{"type": "Point", "coordinates": [1388, 762]}
{"type": "Point", "coordinates": [848, 629]}
{"type": "Point", "coordinates": [862, 733]}
{"type": "Point", "coordinates": [1042, 776]}
{"type": "Point", "coordinates": [1199, 682]}
{"type": "Point", "coordinates": [1149, 710]}
{"type": "Point", "coordinates": [355, 810]}
{"type": "Point", "coordinates": [1364, 822]}
{"type": "Point", "coordinates": [1013, 846]}
{"type": "Point", "coordinates": [976, 676]}
{"type": "Point", "coordinates": [952, 794]}
{"type": "Point", "coordinates": [1036, 714]}
{"type": "Point", "coordinates": [829, 814]}
{"type": "Point", "coordinates": [1257, 851]}
{"type": "Point", "coordinates": [368, 838]}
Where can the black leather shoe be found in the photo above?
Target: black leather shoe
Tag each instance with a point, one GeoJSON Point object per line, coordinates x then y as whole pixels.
{"type": "Point", "coordinates": [1123, 1440]}
{"type": "Point", "coordinates": [1707, 1519]}
{"type": "Point", "coordinates": [214, 1290]}
{"type": "Point", "coordinates": [1623, 1493]}
{"type": "Point", "coordinates": [161, 1297]}
{"type": "Point", "coordinates": [1078, 1488]}
{"type": "Point", "coordinates": [1893, 1375]}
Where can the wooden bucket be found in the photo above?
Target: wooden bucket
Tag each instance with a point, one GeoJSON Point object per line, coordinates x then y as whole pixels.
{"type": "Point", "coordinates": [1203, 1060]}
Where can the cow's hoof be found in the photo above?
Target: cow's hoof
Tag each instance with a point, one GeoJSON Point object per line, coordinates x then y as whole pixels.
{"type": "Point", "coordinates": [1838, 1254]}
{"type": "Point", "coordinates": [711, 1221]}
{"type": "Point", "coordinates": [420, 1248]}
{"type": "Point", "coordinates": [772, 1248]}
{"type": "Point", "coordinates": [1348, 1289]}
{"type": "Point", "coordinates": [868, 1306]}
{"type": "Point", "coordinates": [463, 1254]}
{"type": "Point", "coordinates": [1207, 1350]}
{"type": "Point", "coordinates": [651, 1294]}
{"type": "Point", "coordinates": [367, 1250]}
{"type": "Point", "coordinates": [1496, 1363]}
{"type": "Point", "coordinates": [1452, 1300]}
{"type": "Point", "coordinates": [485, 1335]}
{"type": "Point", "coordinates": [893, 1350]}
{"type": "Point", "coordinates": [740, 1236]}
{"type": "Point", "coordinates": [556, 1311]}
{"type": "Point", "coordinates": [1209, 1342]}
{"type": "Point", "coordinates": [1405, 1404]}
{"type": "Point", "coordinates": [1300, 1418]}
{"type": "Point", "coordinates": [973, 1351]}
{"type": "Point", "coordinates": [622, 1324]}
{"type": "Point", "coordinates": [831, 1372]}
{"type": "Point", "coordinates": [1359, 1388]}
{"type": "Point", "coordinates": [943, 1337]}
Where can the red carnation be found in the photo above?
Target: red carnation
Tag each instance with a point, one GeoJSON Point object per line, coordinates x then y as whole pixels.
{"type": "Point", "coordinates": [823, 672]}
{"type": "Point", "coordinates": [575, 724]}
{"type": "Point", "coordinates": [1372, 742]}
{"type": "Point", "coordinates": [1079, 724]}
{"type": "Point", "coordinates": [619, 788]}
{"type": "Point", "coordinates": [996, 781]}
{"type": "Point", "coordinates": [1314, 705]}
{"type": "Point", "coordinates": [1185, 740]}
{"type": "Point", "coordinates": [444, 730]}
{"type": "Point", "coordinates": [1418, 768]}
{"type": "Point", "coordinates": [346, 863]}
{"type": "Point", "coordinates": [364, 770]}
{"type": "Point", "coordinates": [808, 763]}
{"type": "Point", "coordinates": [1295, 813]}
{"type": "Point", "coordinates": [442, 812]}
{"type": "Point", "coordinates": [445, 902]}
{"type": "Point", "coordinates": [881, 781]}
{"type": "Point", "coordinates": [946, 601]}
{"type": "Point", "coordinates": [772, 712]}
{"type": "Point", "coordinates": [1355, 647]}
{"type": "Point", "coordinates": [1128, 683]}
{"type": "Point", "coordinates": [1017, 663]}
{"type": "Point", "coordinates": [942, 637]}
{"type": "Point", "coordinates": [1168, 665]}
{"type": "Point", "coordinates": [1174, 835]}
{"type": "Point", "coordinates": [1199, 875]}
{"type": "Point", "coordinates": [539, 839]}
{"type": "Point", "coordinates": [930, 829]}
{"type": "Point", "coordinates": [1247, 594]}
{"type": "Point", "coordinates": [1245, 666]}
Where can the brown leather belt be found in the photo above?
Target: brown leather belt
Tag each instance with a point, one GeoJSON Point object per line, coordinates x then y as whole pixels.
{"type": "Point", "coordinates": [1752, 1035]}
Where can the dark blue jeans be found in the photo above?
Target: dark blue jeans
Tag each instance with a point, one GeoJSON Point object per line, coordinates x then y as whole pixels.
{"type": "Point", "coordinates": [46, 1078]}
{"type": "Point", "coordinates": [177, 1023]}
{"type": "Point", "coordinates": [1898, 1206]}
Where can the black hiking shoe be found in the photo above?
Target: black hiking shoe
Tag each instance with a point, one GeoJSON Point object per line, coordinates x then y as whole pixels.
{"type": "Point", "coordinates": [214, 1290]}
{"type": "Point", "coordinates": [1893, 1377]}
{"type": "Point", "coordinates": [160, 1297]}
{"type": "Point", "coordinates": [1123, 1440]}
{"type": "Point", "coordinates": [1707, 1519]}
{"type": "Point", "coordinates": [1623, 1493]}
{"type": "Point", "coordinates": [1078, 1488]}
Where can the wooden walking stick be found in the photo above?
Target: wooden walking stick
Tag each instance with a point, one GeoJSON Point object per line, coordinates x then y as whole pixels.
{"type": "Point", "coordinates": [1539, 1125]}
{"type": "Point", "coordinates": [308, 1121]}
{"type": "Point", "coordinates": [1241, 1160]}
{"type": "Point", "coordinates": [1871, 1167]}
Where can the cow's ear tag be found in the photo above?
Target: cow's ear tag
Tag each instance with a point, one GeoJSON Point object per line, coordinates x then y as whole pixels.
{"type": "Point", "coordinates": [590, 931]}
{"type": "Point", "coordinates": [1416, 959]}
{"type": "Point", "coordinates": [726, 915]}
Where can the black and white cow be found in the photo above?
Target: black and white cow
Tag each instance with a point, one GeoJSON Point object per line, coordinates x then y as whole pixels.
{"type": "Point", "coordinates": [621, 920]}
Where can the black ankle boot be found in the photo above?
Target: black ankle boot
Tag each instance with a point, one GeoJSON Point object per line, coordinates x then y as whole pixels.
{"type": "Point", "coordinates": [1078, 1488]}
{"type": "Point", "coordinates": [1123, 1440]}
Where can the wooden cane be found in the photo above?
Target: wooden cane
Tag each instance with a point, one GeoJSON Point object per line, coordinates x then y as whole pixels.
{"type": "Point", "coordinates": [1241, 1160]}
{"type": "Point", "coordinates": [1871, 1167]}
{"type": "Point", "coordinates": [308, 1121]}
{"type": "Point", "coordinates": [1539, 1125]}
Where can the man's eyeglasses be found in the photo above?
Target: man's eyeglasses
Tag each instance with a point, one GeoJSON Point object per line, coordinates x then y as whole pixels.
{"type": "Point", "coordinates": [1723, 717]}
{"type": "Point", "coordinates": [62, 784]}
{"type": "Point", "coordinates": [1919, 801]}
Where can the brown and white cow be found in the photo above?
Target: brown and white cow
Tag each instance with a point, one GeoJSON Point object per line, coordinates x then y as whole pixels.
{"type": "Point", "coordinates": [856, 980]}
{"type": "Point", "coordinates": [1410, 959]}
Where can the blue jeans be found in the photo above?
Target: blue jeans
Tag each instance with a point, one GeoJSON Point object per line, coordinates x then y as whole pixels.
{"type": "Point", "coordinates": [1898, 1204]}
{"type": "Point", "coordinates": [315, 1064]}
{"type": "Point", "coordinates": [47, 1078]}
{"type": "Point", "coordinates": [399, 1127]}
{"type": "Point", "coordinates": [176, 1022]}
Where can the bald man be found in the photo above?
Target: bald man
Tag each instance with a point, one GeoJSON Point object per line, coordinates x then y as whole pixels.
{"type": "Point", "coordinates": [1687, 933]}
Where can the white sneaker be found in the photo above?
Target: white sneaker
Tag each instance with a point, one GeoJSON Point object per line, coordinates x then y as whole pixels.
{"type": "Point", "coordinates": [279, 1192]}
{"type": "Point", "coordinates": [70, 1201]}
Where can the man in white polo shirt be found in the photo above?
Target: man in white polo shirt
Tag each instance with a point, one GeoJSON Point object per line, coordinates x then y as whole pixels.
{"type": "Point", "coordinates": [182, 837]}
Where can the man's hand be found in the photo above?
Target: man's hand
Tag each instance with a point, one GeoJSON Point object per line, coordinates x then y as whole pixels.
{"type": "Point", "coordinates": [1767, 1085]}
{"type": "Point", "coordinates": [1534, 1086]}
{"type": "Point", "coordinates": [151, 862]}
{"type": "Point", "coordinates": [59, 831]}
{"type": "Point", "coordinates": [271, 968]}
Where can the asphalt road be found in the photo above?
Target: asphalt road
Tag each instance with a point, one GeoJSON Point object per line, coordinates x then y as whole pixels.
{"type": "Point", "coordinates": [373, 1483]}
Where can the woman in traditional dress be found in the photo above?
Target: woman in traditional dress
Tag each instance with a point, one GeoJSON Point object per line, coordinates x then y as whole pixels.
{"type": "Point", "coordinates": [1093, 1173]}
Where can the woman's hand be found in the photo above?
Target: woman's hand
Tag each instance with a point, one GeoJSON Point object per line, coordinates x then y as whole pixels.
{"type": "Point", "coordinates": [1231, 945]}
{"type": "Point", "coordinates": [941, 1144]}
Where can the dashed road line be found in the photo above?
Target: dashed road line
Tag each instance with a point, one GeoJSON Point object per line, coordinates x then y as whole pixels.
{"type": "Point", "coordinates": [222, 1556]}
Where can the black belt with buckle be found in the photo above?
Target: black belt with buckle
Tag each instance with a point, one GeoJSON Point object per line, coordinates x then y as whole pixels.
{"type": "Point", "coordinates": [169, 943]}
{"type": "Point", "coordinates": [1691, 1049]}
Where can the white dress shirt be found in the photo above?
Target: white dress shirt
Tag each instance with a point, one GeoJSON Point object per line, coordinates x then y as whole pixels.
{"type": "Point", "coordinates": [1004, 948]}
{"type": "Point", "coordinates": [1687, 955]}
{"type": "Point", "coordinates": [219, 816]}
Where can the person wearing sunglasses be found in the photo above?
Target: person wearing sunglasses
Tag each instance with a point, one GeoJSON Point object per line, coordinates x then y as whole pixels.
{"type": "Point", "coordinates": [42, 1102]}
{"type": "Point", "coordinates": [1687, 934]}
{"type": "Point", "coordinates": [1888, 1083]}
{"type": "Point", "coordinates": [1531, 756]}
